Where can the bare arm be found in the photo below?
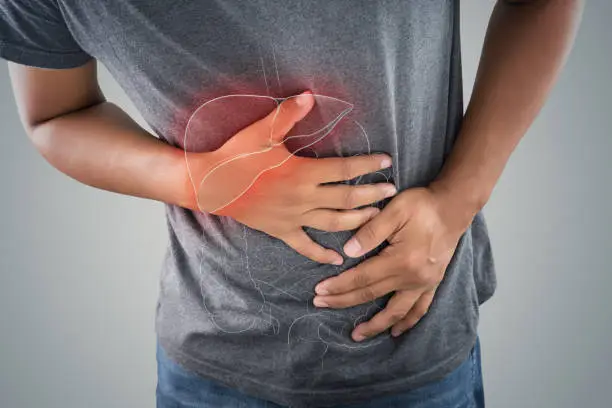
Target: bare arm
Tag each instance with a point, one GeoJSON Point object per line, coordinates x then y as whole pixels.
{"type": "Point", "coordinates": [96, 143]}
{"type": "Point", "coordinates": [525, 47]}
{"type": "Point", "coordinates": [93, 141]}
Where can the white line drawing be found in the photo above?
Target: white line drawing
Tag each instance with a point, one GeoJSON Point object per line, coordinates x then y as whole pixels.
{"type": "Point", "coordinates": [280, 87]}
{"type": "Point", "coordinates": [330, 328]}
{"type": "Point", "coordinates": [328, 127]}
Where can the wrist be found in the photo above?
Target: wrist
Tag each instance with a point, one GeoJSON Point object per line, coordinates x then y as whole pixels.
{"type": "Point", "coordinates": [186, 176]}
{"type": "Point", "coordinates": [460, 201]}
{"type": "Point", "coordinates": [192, 169]}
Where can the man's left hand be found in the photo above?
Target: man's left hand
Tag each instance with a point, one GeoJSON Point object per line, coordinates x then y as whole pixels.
{"type": "Point", "coordinates": [423, 233]}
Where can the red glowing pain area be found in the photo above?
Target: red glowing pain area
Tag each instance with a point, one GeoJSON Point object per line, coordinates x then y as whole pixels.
{"type": "Point", "coordinates": [252, 140]}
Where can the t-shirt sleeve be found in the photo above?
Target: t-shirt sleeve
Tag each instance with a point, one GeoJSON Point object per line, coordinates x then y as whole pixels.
{"type": "Point", "coordinates": [34, 33]}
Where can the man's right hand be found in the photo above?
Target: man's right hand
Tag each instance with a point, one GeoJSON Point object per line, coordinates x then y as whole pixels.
{"type": "Point", "coordinates": [254, 179]}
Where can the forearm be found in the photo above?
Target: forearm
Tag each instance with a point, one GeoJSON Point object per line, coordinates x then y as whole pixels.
{"type": "Point", "coordinates": [103, 147]}
{"type": "Point", "coordinates": [525, 47]}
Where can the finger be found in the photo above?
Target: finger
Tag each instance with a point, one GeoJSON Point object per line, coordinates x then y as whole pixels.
{"type": "Point", "coordinates": [282, 119]}
{"type": "Point", "coordinates": [395, 310]}
{"type": "Point", "coordinates": [356, 297]}
{"type": "Point", "coordinates": [331, 169]}
{"type": "Point", "coordinates": [341, 196]}
{"type": "Point", "coordinates": [334, 221]}
{"type": "Point", "coordinates": [376, 231]}
{"type": "Point", "coordinates": [367, 273]}
{"type": "Point", "coordinates": [420, 309]}
{"type": "Point", "coordinates": [303, 244]}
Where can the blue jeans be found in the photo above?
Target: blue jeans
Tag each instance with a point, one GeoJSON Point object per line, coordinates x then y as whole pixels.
{"type": "Point", "coordinates": [179, 388]}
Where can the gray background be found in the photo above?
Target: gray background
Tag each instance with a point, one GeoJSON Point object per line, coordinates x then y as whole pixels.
{"type": "Point", "coordinates": [73, 334]}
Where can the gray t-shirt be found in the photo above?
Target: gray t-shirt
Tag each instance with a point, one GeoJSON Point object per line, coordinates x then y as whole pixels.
{"type": "Point", "coordinates": [235, 304]}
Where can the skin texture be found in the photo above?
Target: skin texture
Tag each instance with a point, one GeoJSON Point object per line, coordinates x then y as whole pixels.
{"type": "Point", "coordinates": [98, 144]}
{"type": "Point", "coordinates": [525, 48]}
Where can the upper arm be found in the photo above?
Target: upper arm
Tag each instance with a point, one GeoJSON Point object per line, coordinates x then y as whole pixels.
{"type": "Point", "coordinates": [51, 73]}
{"type": "Point", "coordinates": [43, 94]}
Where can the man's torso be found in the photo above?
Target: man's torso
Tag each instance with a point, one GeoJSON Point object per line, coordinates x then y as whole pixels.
{"type": "Point", "coordinates": [236, 304]}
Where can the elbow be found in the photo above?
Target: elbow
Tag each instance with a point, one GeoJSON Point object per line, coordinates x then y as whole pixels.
{"type": "Point", "coordinates": [42, 131]}
{"type": "Point", "coordinates": [44, 134]}
{"type": "Point", "coordinates": [41, 135]}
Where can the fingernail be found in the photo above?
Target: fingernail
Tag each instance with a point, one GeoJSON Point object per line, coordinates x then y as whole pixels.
{"type": "Point", "coordinates": [338, 261]}
{"type": "Point", "coordinates": [395, 333]}
{"type": "Point", "coordinates": [389, 190]}
{"type": "Point", "coordinates": [321, 289]}
{"type": "Point", "coordinates": [319, 302]}
{"type": "Point", "coordinates": [386, 162]}
{"type": "Point", "coordinates": [301, 100]}
{"type": "Point", "coordinates": [352, 247]}
{"type": "Point", "coordinates": [358, 337]}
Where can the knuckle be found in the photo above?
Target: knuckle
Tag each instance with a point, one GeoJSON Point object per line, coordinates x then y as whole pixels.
{"type": "Point", "coordinates": [367, 233]}
{"type": "Point", "coordinates": [370, 331]}
{"type": "Point", "coordinates": [366, 294]}
{"type": "Point", "coordinates": [423, 276]}
{"type": "Point", "coordinates": [349, 199]}
{"type": "Point", "coordinates": [374, 164]}
{"type": "Point", "coordinates": [412, 322]}
{"type": "Point", "coordinates": [346, 169]}
{"type": "Point", "coordinates": [287, 198]}
{"type": "Point", "coordinates": [306, 170]}
{"type": "Point", "coordinates": [395, 211]}
{"type": "Point", "coordinates": [395, 315]}
{"type": "Point", "coordinates": [406, 263]}
{"type": "Point", "coordinates": [334, 223]}
{"type": "Point", "coordinates": [420, 310]}
{"type": "Point", "coordinates": [301, 178]}
{"type": "Point", "coordinates": [361, 279]}
{"type": "Point", "coordinates": [303, 195]}
{"type": "Point", "coordinates": [413, 261]}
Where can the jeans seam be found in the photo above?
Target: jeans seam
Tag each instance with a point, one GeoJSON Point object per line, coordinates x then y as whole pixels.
{"type": "Point", "coordinates": [473, 384]}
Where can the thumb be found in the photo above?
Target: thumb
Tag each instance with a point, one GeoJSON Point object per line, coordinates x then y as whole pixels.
{"type": "Point", "coordinates": [293, 109]}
